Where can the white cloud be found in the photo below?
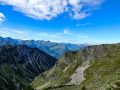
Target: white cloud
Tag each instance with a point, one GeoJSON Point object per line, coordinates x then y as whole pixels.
{"type": "Point", "coordinates": [66, 31]}
{"type": "Point", "coordinates": [83, 24]}
{"type": "Point", "coordinates": [48, 9]}
{"type": "Point", "coordinates": [54, 37]}
{"type": "Point", "coordinates": [65, 37]}
{"type": "Point", "coordinates": [17, 34]}
{"type": "Point", "coordinates": [2, 17]}
{"type": "Point", "coordinates": [80, 16]}
{"type": "Point", "coordinates": [94, 2]}
{"type": "Point", "coordinates": [50, 35]}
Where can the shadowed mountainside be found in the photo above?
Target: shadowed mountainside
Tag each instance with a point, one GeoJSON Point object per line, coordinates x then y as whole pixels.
{"type": "Point", "coordinates": [19, 65]}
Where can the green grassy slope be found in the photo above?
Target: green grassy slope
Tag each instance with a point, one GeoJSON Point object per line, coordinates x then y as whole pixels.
{"type": "Point", "coordinates": [103, 72]}
{"type": "Point", "coordinates": [58, 75]}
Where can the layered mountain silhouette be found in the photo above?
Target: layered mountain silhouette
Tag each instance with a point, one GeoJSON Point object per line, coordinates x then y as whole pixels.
{"type": "Point", "coordinates": [23, 66]}
{"type": "Point", "coordinates": [54, 49]}
{"type": "Point", "coordinates": [19, 65]}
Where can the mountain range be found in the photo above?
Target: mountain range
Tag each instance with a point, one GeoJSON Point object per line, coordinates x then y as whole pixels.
{"type": "Point", "coordinates": [19, 65]}
{"type": "Point", "coordinates": [24, 66]}
{"type": "Point", "coordinates": [54, 49]}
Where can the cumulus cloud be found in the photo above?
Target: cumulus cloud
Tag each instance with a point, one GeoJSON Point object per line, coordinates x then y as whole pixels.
{"type": "Point", "coordinates": [49, 9]}
{"type": "Point", "coordinates": [2, 17]}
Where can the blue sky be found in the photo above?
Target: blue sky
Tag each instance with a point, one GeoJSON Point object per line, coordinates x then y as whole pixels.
{"type": "Point", "coordinates": [73, 21]}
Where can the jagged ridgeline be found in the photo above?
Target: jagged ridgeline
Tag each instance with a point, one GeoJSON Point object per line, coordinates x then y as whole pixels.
{"type": "Point", "coordinates": [19, 65]}
{"type": "Point", "coordinates": [92, 68]}
{"type": "Point", "coordinates": [54, 49]}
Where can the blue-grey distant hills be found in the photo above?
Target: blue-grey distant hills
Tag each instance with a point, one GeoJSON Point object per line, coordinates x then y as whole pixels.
{"type": "Point", "coordinates": [54, 49]}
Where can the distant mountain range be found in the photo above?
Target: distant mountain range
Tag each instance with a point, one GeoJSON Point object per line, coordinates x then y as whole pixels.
{"type": "Point", "coordinates": [19, 65]}
{"type": "Point", "coordinates": [54, 49]}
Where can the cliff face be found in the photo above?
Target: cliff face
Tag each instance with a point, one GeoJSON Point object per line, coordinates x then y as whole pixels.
{"type": "Point", "coordinates": [91, 68]}
{"type": "Point", "coordinates": [19, 65]}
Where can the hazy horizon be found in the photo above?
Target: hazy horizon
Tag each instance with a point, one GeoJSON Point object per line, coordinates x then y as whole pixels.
{"type": "Point", "coordinates": [66, 21]}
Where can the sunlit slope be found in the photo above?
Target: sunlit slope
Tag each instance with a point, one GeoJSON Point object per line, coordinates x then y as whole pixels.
{"type": "Point", "coordinates": [100, 65]}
